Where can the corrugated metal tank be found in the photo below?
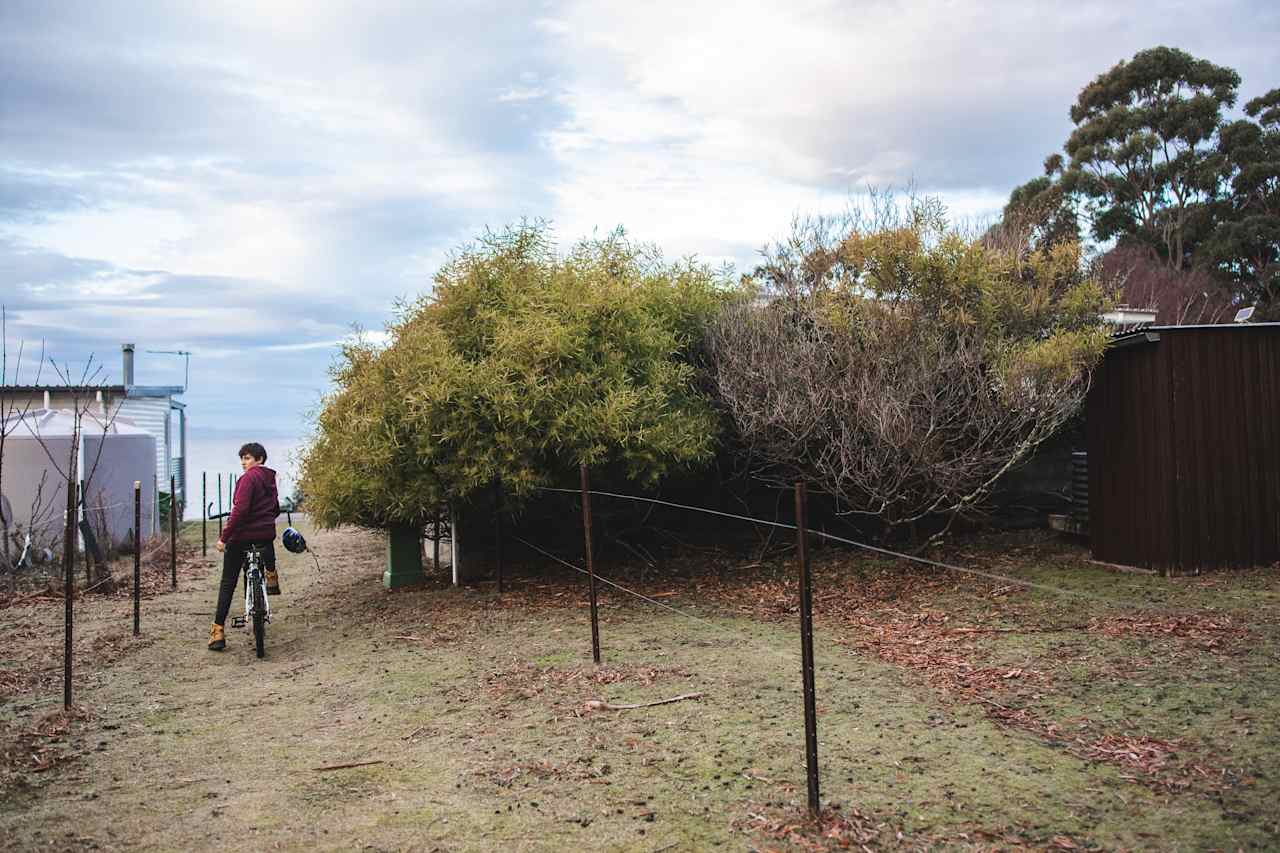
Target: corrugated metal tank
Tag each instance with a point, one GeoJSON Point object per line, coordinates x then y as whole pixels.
{"type": "Point", "coordinates": [32, 485]}
{"type": "Point", "coordinates": [113, 462]}
{"type": "Point", "coordinates": [109, 461]}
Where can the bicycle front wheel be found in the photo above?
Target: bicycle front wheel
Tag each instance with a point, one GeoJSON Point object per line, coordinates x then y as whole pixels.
{"type": "Point", "coordinates": [259, 620]}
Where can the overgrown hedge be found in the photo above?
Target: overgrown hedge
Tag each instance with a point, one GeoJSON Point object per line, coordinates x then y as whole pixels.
{"type": "Point", "coordinates": [520, 365]}
{"type": "Point", "coordinates": [903, 368]}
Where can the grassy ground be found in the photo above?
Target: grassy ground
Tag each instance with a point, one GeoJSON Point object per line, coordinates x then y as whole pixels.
{"type": "Point", "coordinates": [954, 712]}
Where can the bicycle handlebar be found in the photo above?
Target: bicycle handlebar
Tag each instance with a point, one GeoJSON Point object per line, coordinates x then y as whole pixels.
{"type": "Point", "coordinates": [284, 510]}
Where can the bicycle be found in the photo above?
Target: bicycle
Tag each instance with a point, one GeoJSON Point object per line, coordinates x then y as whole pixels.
{"type": "Point", "coordinates": [257, 607]}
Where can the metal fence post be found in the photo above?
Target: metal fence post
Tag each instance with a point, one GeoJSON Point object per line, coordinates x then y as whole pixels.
{"type": "Point", "coordinates": [435, 540]}
{"type": "Point", "coordinates": [137, 557]}
{"type": "Point", "coordinates": [204, 513]}
{"type": "Point", "coordinates": [219, 507]}
{"type": "Point", "coordinates": [806, 649]}
{"type": "Point", "coordinates": [82, 510]}
{"type": "Point", "coordinates": [69, 559]}
{"type": "Point", "coordinates": [591, 571]}
{"type": "Point", "coordinates": [173, 532]}
{"type": "Point", "coordinates": [497, 503]}
{"type": "Point", "coordinates": [455, 548]}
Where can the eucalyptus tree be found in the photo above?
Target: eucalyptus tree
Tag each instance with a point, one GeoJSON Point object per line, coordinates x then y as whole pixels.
{"type": "Point", "coordinates": [1143, 153]}
{"type": "Point", "coordinates": [1244, 244]}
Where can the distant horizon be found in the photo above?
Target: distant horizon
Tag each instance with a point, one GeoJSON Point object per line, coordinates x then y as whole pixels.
{"type": "Point", "coordinates": [217, 455]}
{"type": "Point", "coordinates": [247, 434]}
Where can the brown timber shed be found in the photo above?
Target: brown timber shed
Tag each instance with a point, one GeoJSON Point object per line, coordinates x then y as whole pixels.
{"type": "Point", "coordinates": [1183, 430]}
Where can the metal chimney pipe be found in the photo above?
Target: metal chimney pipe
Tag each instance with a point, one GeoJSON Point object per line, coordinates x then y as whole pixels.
{"type": "Point", "coordinates": [127, 351]}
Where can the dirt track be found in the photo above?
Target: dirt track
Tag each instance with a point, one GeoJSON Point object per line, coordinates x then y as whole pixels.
{"type": "Point", "coordinates": [473, 711]}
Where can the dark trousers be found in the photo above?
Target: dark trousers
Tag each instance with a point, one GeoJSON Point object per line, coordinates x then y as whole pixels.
{"type": "Point", "coordinates": [232, 563]}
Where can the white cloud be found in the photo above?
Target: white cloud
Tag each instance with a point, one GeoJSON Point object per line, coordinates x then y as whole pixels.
{"type": "Point", "coordinates": [516, 94]}
{"type": "Point", "coordinates": [703, 126]}
{"type": "Point", "coordinates": [377, 338]}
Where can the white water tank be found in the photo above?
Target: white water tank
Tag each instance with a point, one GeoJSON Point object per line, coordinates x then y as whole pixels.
{"type": "Point", "coordinates": [109, 458]}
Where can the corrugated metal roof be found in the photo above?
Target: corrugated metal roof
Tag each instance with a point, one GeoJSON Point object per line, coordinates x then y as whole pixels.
{"type": "Point", "coordinates": [67, 388]}
{"type": "Point", "coordinates": [153, 390]}
{"type": "Point", "coordinates": [1219, 327]}
{"type": "Point", "coordinates": [1123, 337]}
{"type": "Point", "coordinates": [127, 390]}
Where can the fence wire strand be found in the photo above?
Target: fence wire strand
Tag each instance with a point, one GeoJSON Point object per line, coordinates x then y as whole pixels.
{"type": "Point", "coordinates": [1103, 599]}
{"type": "Point", "coordinates": [146, 504]}
{"type": "Point", "coordinates": [789, 658]}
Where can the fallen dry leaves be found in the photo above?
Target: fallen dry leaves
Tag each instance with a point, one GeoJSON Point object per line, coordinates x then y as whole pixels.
{"type": "Point", "coordinates": [924, 644]}
{"type": "Point", "coordinates": [38, 745]}
{"type": "Point", "coordinates": [524, 680]}
{"type": "Point", "coordinates": [831, 829]}
{"type": "Point", "coordinates": [1206, 632]}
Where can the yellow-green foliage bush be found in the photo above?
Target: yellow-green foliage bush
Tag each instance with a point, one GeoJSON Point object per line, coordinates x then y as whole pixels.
{"type": "Point", "coordinates": [522, 364]}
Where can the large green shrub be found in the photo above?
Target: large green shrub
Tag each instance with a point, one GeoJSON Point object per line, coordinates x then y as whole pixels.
{"type": "Point", "coordinates": [522, 364]}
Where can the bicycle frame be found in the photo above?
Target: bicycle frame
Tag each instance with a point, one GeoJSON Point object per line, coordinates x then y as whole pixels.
{"type": "Point", "coordinates": [254, 575]}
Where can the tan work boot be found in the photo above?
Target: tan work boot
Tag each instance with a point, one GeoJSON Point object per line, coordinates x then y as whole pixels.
{"type": "Point", "coordinates": [217, 641]}
{"type": "Point", "coordinates": [273, 582]}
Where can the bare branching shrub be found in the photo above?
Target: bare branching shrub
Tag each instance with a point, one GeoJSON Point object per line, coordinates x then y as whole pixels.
{"type": "Point", "coordinates": [50, 528]}
{"type": "Point", "coordinates": [1179, 296]}
{"type": "Point", "coordinates": [12, 410]}
{"type": "Point", "coordinates": [904, 368]}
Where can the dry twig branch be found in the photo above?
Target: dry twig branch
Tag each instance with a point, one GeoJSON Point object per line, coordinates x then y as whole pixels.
{"type": "Point", "coordinates": [345, 766]}
{"type": "Point", "coordinates": [601, 705]}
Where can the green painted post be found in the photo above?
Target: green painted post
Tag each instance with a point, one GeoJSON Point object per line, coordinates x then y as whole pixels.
{"type": "Point", "coordinates": [404, 558]}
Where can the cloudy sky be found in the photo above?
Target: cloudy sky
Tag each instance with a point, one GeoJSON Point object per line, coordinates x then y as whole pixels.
{"type": "Point", "coordinates": [247, 180]}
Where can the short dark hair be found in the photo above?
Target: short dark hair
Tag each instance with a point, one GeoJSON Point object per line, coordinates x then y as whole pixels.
{"type": "Point", "coordinates": [257, 451]}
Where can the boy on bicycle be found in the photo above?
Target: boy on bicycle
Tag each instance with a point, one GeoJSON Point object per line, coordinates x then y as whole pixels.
{"type": "Point", "coordinates": [254, 508]}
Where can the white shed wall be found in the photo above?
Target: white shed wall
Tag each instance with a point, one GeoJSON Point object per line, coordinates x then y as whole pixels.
{"type": "Point", "coordinates": [152, 414]}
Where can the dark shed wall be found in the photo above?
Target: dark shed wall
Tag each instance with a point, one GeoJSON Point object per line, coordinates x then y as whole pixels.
{"type": "Point", "coordinates": [1227, 407]}
{"type": "Point", "coordinates": [1184, 449]}
{"type": "Point", "coordinates": [1129, 424]}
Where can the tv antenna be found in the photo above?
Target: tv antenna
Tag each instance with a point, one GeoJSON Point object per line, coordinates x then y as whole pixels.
{"type": "Point", "coordinates": [186, 357]}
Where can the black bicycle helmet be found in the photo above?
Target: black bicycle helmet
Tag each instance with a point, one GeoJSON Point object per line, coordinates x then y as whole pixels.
{"type": "Point", "coordinates": [293, 541]}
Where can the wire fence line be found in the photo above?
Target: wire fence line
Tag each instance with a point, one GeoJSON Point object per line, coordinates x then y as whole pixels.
{"type": "Point", "coordinates": [146, 504]}
{"type": "Point", "coordinates": [1088, 596]}
{"type": "Point", "coordinates": [788, 657]}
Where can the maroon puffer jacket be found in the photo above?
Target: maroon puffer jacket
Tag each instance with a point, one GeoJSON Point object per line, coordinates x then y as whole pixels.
{"type": "Point", "coordinates": [253, 508]}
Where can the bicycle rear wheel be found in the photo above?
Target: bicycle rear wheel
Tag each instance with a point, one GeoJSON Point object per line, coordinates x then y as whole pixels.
{"type": "Point", "coordinates": [259, 620]}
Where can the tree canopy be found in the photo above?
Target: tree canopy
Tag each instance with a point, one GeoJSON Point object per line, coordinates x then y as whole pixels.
{"type": "Point", "coordinates": [1142, 150]}
{"type": "Point", "coordinates": [1153, 168]}
{"type": "Point", "coordinates": [1245, 241]}
{"type": "Point", "coordinates": [1041, 213]}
